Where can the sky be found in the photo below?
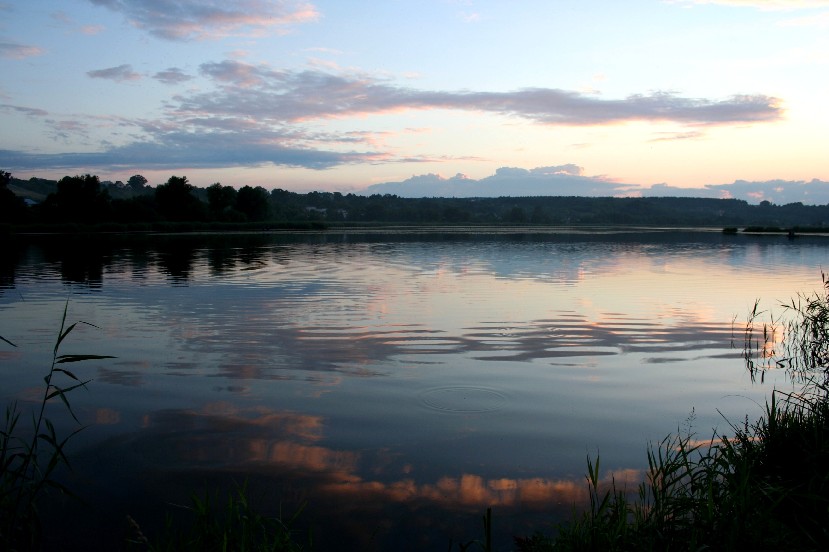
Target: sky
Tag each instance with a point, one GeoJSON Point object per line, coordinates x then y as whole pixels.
{"type": "Point", "coordinates": [719, 98]}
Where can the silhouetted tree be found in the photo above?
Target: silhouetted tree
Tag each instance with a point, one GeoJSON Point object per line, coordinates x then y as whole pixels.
{"type": "Point", "coordinates": [539, 216]}
{"type": "Point", "coordinates": [137, 182]}
{"type": "Point", "coordinates": [176, 201]}
{"type": "Point", "coordinates": [454, 214]}
{"type": "Point", "coordinates": [221, 201]}
{"type": "Point", "coordinates": [517, 215]}
{"type": "Point", "coordinates": [141, 208]}
{"type": "Point", "coordinates": [78, 199]}
{"type": "Point", "coordinates": [253, 203]}
{"type": "Point", "coordinates": [12, 207]}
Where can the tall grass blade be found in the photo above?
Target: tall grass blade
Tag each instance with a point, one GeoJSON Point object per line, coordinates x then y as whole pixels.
{"type": "Point", "coordinates": [28, 464]}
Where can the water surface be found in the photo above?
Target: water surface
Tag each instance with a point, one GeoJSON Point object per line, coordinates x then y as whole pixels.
{"type": "Point", "coordinates": [397, 383]}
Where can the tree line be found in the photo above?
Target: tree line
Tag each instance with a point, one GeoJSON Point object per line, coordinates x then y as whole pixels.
{"type": "Point", "coordinates": [85, 200]}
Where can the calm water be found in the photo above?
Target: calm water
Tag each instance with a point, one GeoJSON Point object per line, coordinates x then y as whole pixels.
{"type": "Point", "coordinates": [398, 384]}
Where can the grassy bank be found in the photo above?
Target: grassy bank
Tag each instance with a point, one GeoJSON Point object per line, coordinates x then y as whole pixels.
{"type": "Point", "coordinates": [763, 486]}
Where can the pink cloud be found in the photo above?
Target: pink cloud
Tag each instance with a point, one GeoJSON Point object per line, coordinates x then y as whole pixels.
{"type": "Point", "coordinates": [206, 19]}
{"type": "Point", "coordinates": [265, 93]}
{"type": "Point", "coordinates": [11, 50]}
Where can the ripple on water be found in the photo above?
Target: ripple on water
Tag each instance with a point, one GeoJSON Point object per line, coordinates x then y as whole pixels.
{"type": "Point", "coordinates": [464, 399]}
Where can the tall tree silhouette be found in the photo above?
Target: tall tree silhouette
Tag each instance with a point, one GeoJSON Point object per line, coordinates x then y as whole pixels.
{"type": "Point", "coordinates": [137, 182]}
{"type": "Point", "coordinates": [221, 201]}
{"type": "Point", "coordinates": [254, 203]}
{"type": "Point", "coordinates": [176, 201]}
{"type": "Point", "coordinates": [78, 199]}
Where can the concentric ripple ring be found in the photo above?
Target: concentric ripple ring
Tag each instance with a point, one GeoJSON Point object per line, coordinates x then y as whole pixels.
{"type": "Point", "coordinates": [464, 399]}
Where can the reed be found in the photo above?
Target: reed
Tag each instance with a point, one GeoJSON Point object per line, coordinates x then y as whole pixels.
{"type": "Point", "coordinates": [30, 456]}
{"type": "Point", "coordinates": [764, 487]}
{"type": "Point", "coordinates": [235, 526]}
{"type": "Point", "coordinates": [486, 544]}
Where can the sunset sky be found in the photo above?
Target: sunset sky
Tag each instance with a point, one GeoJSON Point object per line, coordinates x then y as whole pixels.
{"type": "Point", "coordinates": [340, 95]}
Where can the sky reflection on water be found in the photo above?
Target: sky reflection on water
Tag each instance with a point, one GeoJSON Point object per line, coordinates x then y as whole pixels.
{"type": "Point", "coordinates": [383, 376]}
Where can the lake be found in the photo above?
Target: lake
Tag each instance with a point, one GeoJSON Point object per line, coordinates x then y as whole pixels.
{"type": "Point", "coordinates": [397, 382]}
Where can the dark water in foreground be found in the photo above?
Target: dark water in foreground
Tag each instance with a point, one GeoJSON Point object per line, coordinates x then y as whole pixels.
{"type": "Point", "coordinates": [397, 384]}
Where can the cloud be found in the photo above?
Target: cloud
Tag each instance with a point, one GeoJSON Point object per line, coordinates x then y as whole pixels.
{"type": "Point", "coordinates": [62, 17]}
{"type": "Point", "coordinates": [118, 74]}
{"type": "Point", "coordinates": [779, 192]}
{"type": "Point", "coordinates": [561, 180]}
{"type": "Point", "coordinates": [672, 136]}
{"type": "Point", "coordinates": [68, 129]}
{"type": "Point", "coordinates": [253, 116]}
{"type": "Point", "coordinates": [208, 19]}
{"type": "Point", "coordinates": [569, 180]}
{"type": "Point", "coordinates": [260, 91]}
{"type": "Point", "coordinates": [30, 111]}
{"type": "Point", "coordinates": [570, 168]}
{"type": "Point", "coordinates": [195, 149]}
{"type": "Point", "coordinates": [197, 141]}
{"type": "Point", "coordinates": [173, 75]}
{"type": "Point", "coordinates": [12, 50]}
{"type": "Point", "coordinates": [92, 30]}
{"type": "Point", "coordinates": [66, 20]}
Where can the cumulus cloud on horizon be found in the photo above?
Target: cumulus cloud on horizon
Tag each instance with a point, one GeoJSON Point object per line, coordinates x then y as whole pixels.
{"type": "Point", "coordinates": [569, 180]}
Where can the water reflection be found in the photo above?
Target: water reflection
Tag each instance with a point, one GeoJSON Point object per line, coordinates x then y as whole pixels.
{"type": "Point", "coordinates": [272, 348]}
{"type": "Point", "coordinates": [283, 450]}
{"type": "Point", "coordinates": [407, 380]}
{"type": "Point", "coordinates": [175, 259]}
{"type": "Point", "coordinates": [564, 257]}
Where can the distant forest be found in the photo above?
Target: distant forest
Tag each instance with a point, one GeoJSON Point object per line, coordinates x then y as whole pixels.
{"type": "Point", "coordinates": [84, 202]}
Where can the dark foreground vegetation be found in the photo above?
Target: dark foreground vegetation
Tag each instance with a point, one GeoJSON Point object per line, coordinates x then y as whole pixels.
{"type": "Point", "coordinates": [84, 203]}
{"type": "Point", "coordinates": [765, 486]}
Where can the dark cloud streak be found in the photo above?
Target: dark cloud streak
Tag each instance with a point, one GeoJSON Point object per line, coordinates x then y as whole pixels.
{"type": "Point", "coordinates": [187, 150]}
{"type": "Point", "coordinates": [172, 76]}
{"type": "Point", "coordinates": [206, 19]}
{"type": "Point", "coordinates": [30, 111]}
{"type": "Point", "coordinates": [257, 90]}
{"type": "Point", "coordinates": [118, 74]}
